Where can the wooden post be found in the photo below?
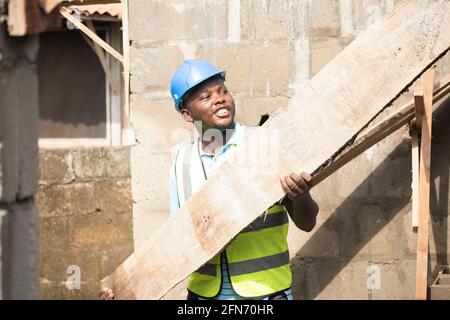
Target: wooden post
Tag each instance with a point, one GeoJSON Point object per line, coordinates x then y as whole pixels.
{"type": "Point", "coordinates": [415, 175]}
{"type": "Point", "coordinates": [424, 101]}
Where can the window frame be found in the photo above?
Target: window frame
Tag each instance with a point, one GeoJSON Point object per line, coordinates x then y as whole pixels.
{"type": "Point", "coordinates": [113, 103]}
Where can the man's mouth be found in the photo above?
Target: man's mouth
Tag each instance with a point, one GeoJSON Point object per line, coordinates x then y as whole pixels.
{"type": "Point", "coordinates": [222, 112]}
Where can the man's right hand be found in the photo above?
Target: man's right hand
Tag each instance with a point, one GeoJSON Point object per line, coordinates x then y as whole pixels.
{"type": "Point", "coordinates": [106, 294]}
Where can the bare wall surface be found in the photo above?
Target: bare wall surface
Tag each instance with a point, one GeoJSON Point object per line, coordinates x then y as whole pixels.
{"type": "Point", "coordinates": [363, 246]}
{"type": "Point", "coordinates": [85, 205]}
{"type": "Point", "coordinates": [18, 166]}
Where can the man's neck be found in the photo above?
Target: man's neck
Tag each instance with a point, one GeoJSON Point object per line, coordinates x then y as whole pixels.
{"type": "Point", "coordinates": [214, 138]}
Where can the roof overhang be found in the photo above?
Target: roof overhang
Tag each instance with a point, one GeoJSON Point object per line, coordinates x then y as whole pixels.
{"type": "Point", "coordinates": [36, 16]}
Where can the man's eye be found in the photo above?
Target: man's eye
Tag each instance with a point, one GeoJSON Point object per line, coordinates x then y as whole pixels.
{"type": "Point", "coordinates": [204, 98]}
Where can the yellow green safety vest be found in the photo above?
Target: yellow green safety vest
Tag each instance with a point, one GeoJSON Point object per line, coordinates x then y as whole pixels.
{"type": "Point", "coordinates": [257, 258]}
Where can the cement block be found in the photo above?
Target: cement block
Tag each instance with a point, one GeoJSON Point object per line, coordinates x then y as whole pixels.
{"type": "Point", "coordinates": [113, 257]}
{"type": "Point", "coordinates": [90, 163]}
{"type": "Point", "coordinates": [152, 66]}
{"type": "Point", "coordinates": [55, 166]}
{"type": "Point", "coordinates": [392, 178]}
{"type": "Point", "coordinates": [177, 20]}
{"type": "Point", "coordinates": [113, 196]}
{"type": "Point", "coordinates": [239, 71]}
{"type": "Point", "coordinates": [66, 200]}
{"type": "Point", "coordinates": [56, 233]}
{"type": "Point", "coordinates": [20, 251]}
{"type": "Point", "coordinates": [146, 222]}
{"type": "Point", "coordinates": [252, 108]}
{"type": "Point", "coordinates": [339, 279]}
{"type": "Point", "coordinates": [440, 292]}
{"type": "Point", "coordinates": [151, 177]}
{"type": "Point", "coordinates": [95, 163]}
{"type": "Point", "coordinates": [157, 125]}
{"type": "Point", "coordinates": [323, 51]}
{"type": "Point", "coordinates": [265, 20]}
{"type": "Point", "coordinates": [444, 279]}
{"type": "Point", "coordinates": [256, 72]}
{"type": "Point", "coordinates": [325, 19]}
{"type": "Point", "coordinates": [352, 180]}
{"type": "Point", "coordinates": [118, 162]}
{"type": "Point", "coordinates": [58, 265]}
{"type": "Point", "coordinates": [272, 76]}
{"type": "Point", "coordinates": [101, 231]}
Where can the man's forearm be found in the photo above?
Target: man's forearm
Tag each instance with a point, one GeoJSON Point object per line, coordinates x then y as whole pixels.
{"type": "Point", "coordinates": [303, 211]}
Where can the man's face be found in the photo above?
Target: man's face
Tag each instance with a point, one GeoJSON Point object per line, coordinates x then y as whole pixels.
{"type": "Point", "coordinates": [212, 104]}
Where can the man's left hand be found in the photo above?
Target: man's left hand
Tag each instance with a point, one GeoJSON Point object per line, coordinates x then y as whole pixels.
{"type": "Point", "coordinates": [296, 185]}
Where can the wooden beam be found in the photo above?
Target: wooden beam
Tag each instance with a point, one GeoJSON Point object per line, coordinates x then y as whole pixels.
{"type": "Point", "coordinates": [424, 186]}
{"type": "Point", "coordinates": [382, 128]}
{"type": "Point", "coordinates": [419, 107]}
{"type": "Point", "coordinates": [67, 14]}
{"type": "Point", "coordinates": [320, 121]}
{"type": "Point", "coordinates": [100, 55]}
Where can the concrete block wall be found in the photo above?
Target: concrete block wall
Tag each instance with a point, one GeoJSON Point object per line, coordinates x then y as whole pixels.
{"type": "Point", "coordinates": [85, 206]}
{"type": "Point", "coordinates": [18, 166]}
{"type": "Point", "coordinates": [363, 246]}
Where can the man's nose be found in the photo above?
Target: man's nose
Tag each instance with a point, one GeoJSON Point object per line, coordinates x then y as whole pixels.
{"type": "Point", "coordinates": [218, 98]}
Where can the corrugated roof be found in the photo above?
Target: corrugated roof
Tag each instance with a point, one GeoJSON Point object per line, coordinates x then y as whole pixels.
{"type": "Point", "coordinates": [49, 5]}
{"type": "Point", "coordinates": [113, 9]}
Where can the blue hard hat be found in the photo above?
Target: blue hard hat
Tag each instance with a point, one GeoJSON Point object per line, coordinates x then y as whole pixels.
{"type": "Point", "coordinates": [190, 74]}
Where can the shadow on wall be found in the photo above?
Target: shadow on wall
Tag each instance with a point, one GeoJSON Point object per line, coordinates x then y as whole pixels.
{"type": "Point", "coordinates": [359, 219]}
{"type": "Point", "coordinates": [440, 179]}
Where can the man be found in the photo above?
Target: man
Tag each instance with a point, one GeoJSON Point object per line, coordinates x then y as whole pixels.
{"type": "Point", "coordinates": [255, 265]}
{"type": "Point", "coordinates": [244, 268]}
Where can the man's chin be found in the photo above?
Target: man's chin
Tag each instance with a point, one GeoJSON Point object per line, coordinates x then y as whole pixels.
{"type": "Point", "coordinates": [224, 124]}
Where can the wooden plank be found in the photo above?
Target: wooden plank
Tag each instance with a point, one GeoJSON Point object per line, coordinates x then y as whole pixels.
{"type": "Point", "coordinates": [415, 176]}
{"type": "Point", "coordinates": [424, 187]}
{"type": "Point", "coordinates": [349, 92]}
{"type": "Point", "coordinates": [66, 13]}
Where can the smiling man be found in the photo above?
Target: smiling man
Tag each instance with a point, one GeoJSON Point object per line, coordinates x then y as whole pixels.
{"type": "Point", "coordinates": [255, 265]}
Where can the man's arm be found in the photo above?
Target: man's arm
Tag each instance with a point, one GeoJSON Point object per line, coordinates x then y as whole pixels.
{"type": "Point", "coordinates": [300, 205]}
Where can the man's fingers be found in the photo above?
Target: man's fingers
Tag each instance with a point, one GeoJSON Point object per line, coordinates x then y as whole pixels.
{"type": "Point", "coordinates": [291, 183]}
{"type": "Point", "coordinates": [106, 294]}
{"type": "Point", "coordinates": [295, 177]}
{"type": "Point", "coordinates": [307, 177]}
{"type": "Point", "coordinates": [286, 188]}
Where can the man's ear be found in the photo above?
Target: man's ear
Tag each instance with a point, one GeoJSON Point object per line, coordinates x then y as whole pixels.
{"type": "Point", "coordinates": [187, 116]}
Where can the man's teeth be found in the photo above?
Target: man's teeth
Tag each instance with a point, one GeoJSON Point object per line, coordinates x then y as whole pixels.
{"type": "Point", "coordinates": [222, 112]}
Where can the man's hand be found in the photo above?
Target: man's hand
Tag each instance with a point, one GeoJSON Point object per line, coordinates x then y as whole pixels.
{"type": "Point", "coordinates": [106, 294]}
{"type": "Point", "coordinates": [296, 185]}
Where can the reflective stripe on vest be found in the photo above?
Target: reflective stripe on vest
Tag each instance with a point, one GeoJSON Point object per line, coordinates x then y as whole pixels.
{"type": "Point", "coordinates": [257, 258]}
